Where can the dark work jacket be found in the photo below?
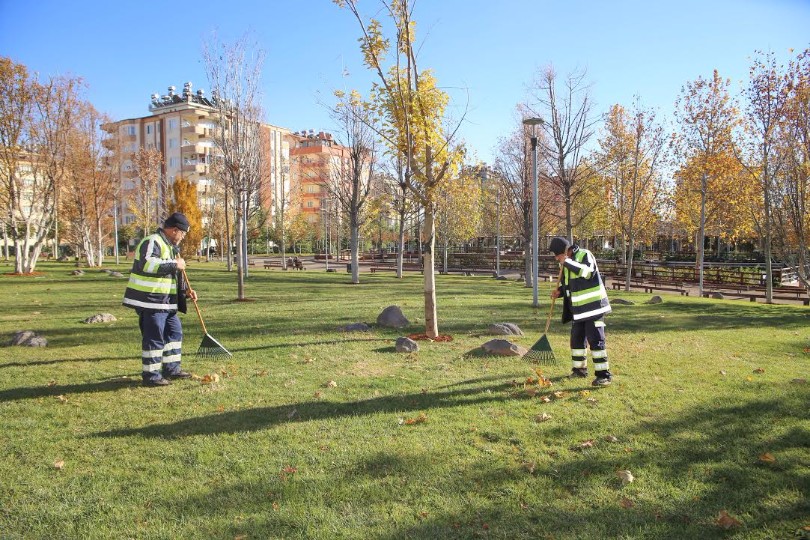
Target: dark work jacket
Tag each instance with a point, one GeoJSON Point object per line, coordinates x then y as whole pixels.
{"type": "Point", "coordinates": [584, 294]}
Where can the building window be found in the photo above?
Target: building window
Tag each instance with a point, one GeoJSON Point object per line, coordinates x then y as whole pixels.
{"type": "Point", "coordinates": [129, 130]}
{"type": "Point", "coordinates": [172, 123]}
{"type": "Point", "coordinates": [310, 204]}
{"type": "Point", "coordinates": [149, 129]}
{"type": "Point", "coordinates": [172, 143]}
{"type": "Point", "coordinates": [312, 188]}
{"type": "Point", "coordinates": [174, 162]}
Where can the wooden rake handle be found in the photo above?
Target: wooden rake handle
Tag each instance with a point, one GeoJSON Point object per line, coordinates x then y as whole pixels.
{"type": "Point", "coordinates": [551, 309]}
{"type": "Point", "coordinates": [199, 315]}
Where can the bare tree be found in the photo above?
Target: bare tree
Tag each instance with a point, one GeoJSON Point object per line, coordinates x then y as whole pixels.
{"type": "Point", "coordinates": [513, 170]}
{"type": "Point", "coordinates": [234, 75]}
{"type": "Point", "coordinates": [147, 164]}
{"type": "Point", "coordinates": [568, 126]}
{"type": "Point", "coordinates": [349, 183]}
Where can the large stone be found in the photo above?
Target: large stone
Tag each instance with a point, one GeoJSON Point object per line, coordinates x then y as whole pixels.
{"type": "Point", "coordinates": [100, 317]}
{"type": "Point", "coordinates": [116, 274]}
{"type": "Point", "coordinates": [502, 347]}
{"type": "Point", "coordinates": [622, 302]}
{"type": "Point", "coordinates": [718, 296]}
{"type": "Point", "coordinates": [28, 338]}
{"type": "Point", "coordinates": [654, 300]}
{"type": "Point", "coordinates": [78, 272]}
{"type": "Point", "coordinates": [406, 345]}
{"type": "Point", "coordinates": [356, 327]}
{"type": "Point", "coordinates": [504, 329]}
{"type": "Point", "coordinates": [392, 317]}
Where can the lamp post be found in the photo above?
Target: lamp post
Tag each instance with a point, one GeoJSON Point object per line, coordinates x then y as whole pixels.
{"type": "Point", "coordinates": [533, 122]}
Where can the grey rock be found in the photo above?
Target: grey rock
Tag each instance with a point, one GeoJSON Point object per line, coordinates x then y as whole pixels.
{"type": "Point", "coordinates": [100, 318]}
{"type": "Point", "coordinates": [392, 317]}
{"type": "Point", "coordinates": [622, 302]}
{"type": "Point", "coordinates": [78, 272]}
{"type": "Point", "coordinates": [654, 300]}
{"type": "Point", "coordinates": [356, 327]}
{"type": "Point", "coordinates": [502, 278]}
{"type": "Point", "coordinates": [502, 347]}
{"type": "Point", "coordinates": [718, 296]}
{"type": "Point", "coordinates": [28, 338]}
{"type": "Point", "coordinates": [504, 329]}
{"type": "Point", "coordinates": [406, 345]}
{"type": "Point", "coordinates": [116, 274]}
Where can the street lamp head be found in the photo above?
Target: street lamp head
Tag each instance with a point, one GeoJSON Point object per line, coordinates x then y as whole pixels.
{"type": "Point", "coordinates": [533, 121]}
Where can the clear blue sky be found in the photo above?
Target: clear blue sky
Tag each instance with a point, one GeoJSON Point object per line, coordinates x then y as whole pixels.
{"type": "Point", "coordinates": [484, 50]}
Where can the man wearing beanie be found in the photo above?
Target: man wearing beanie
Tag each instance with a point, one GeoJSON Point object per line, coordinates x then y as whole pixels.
{"type": "Point", "coordinates": [157, 293]}
{"type": "Point", "coordinates": [585, 302]}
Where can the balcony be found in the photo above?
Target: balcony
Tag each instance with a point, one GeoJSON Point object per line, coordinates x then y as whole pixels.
{"type": "Point", "coordinates": [194, 167]}
{"type": "Point", "coordinates": [193, 129]}
{"type": "Point", "coordinates": [194, 149]}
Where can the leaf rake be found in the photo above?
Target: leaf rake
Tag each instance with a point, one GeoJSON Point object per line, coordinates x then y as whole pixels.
{"type": "Point", "coordinates": [541, 352]}
{"type": "Point", "coordinates": [209, 347]}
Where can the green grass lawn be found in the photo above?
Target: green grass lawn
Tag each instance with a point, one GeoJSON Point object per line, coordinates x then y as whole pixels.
{"type": "Point", "coordinates": [708, 411]}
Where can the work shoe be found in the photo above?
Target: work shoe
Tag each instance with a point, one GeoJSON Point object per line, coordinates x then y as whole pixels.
{"type": "Point", "coordinates": [157, 382]}
{"type": "Point", "coordinates": [578, 373]}
{"type": "Point", "coordinates": [178, 375]}
{"type": "Point", "coordinates": [602, 381]}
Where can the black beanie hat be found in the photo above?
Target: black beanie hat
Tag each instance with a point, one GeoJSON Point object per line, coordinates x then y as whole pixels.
{"type": "Point", "coordinates": [558, 245]}
{"type": "Point", "coordinates": [177, 220]}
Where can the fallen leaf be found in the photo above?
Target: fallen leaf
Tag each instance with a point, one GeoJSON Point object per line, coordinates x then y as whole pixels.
{"type": "Point", "coordinates": [210, 379]}
{"type": "Point", "coordinates": [240, 537]}
{"type": "Point", "coordinates": [759, 370]}
{"type": "Point", "coordinates": [51, 383]}
{"type": "Point", "coordinates": [289, 470]}
{"type": "Point", "coordinates": [626, 503]}
{"type": "Point", "coordinates": [723, 372]}
{"type": "Point", "coordinates": [59, 464]}
{"type": "Point", "coordinates": [542, 417]}
{"type": "Point", "coordinates": [749, 378]}
{"type": "Point", "coordinates": [221, 408]}
{"type": "Point", "coordinates": [530, 466]}
{"type": "Point", "coordinates": [767, 457]}
{"type": "Point", "coordinates": [559, 394]}
{"type": "Point", "coordinates": [421, 419]}
{"type": "Point", "coordinates": [611, 438]}
{"type": "Point", "coordinates": [62, 398]}
{"type": "Point", "coordinates": [799, 381]}
{"type": "Point", "coordinates": [586, 444]}
{"type": "Point", "coordinates": [592, 401]}
{"type": "Point", "coordinates": [584, 393]}
{"type": "Point", "coordinates": [625, 476]}
{"type": "Point", "coordinates": [726, 521]}
{"type": "Point", "coordinates": [331, 384]}
{"type": "Point", "coordinates": [318, 395]}
{"type": "Point", "coordinates": [292, 413]}
{"type": "Point", "coordinates": [545, 399]}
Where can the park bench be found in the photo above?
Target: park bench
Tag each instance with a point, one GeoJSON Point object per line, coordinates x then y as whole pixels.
{"type": "Point", "coordinates": [754, 296]}
{"type": "Point", "coordinates": [656, 285]}
{"type": "Point", "coordinates": [273, 264]}
{"type": "Point", "coordinates": [393, 267]}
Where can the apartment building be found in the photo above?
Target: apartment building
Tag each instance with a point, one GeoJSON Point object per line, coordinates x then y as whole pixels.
{"type": "Point", "coordinates": [315, 159]}
{"type": "Point", "coordinates": [182, 128]}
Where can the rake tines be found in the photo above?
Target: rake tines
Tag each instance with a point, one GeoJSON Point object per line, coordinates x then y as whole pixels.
{"type": "Point", "coordinates": [210, 347]}
{"type": "Point", "coordinates": [541, 352]}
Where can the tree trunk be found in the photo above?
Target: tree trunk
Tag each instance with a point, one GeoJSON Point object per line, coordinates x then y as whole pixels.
{"type": "Point", "coordinates": [354, 242]}
{"type": "Point", "coordinates": [240, 276]}
{"type": "Point", "coordinates": [428, 256]}
{"type": "Point", "coordinates": [401, 241]}
{"type": "Point", "coordinates": [701, 234]}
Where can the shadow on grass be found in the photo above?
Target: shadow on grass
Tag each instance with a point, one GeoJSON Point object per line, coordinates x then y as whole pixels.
{"type": "Point", "coordinates": [33, 392]}
{"type": "Point", "coordinates": [67, 361]}
{"type": "Point", "coordinates": [268, 417]}
{"type": "Point", "coordinates": [708, 459]}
